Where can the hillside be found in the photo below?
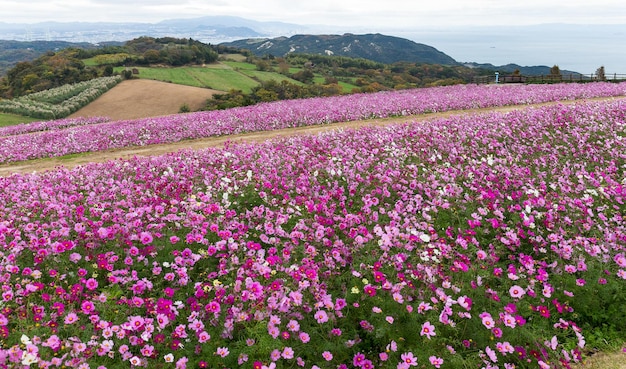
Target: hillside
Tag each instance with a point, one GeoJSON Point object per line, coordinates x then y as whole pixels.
{"type": "Point", "coordinates": [376, 47]}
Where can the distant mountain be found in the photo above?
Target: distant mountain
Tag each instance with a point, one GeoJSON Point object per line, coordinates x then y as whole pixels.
{"type": "Point", "coordinates": [232, 26]}
{"type": "Point", "coordinates": [376, 47]}
{"type": "Point", "coordinates": [208, 29]}
{"type": "Point", "coordinates": [13, 52]}
{"type": "Point", "coordinates": [536, 70]}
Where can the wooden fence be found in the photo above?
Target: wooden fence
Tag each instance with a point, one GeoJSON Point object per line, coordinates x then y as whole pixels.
{"type": "Point", "coordinates": [549, 78]}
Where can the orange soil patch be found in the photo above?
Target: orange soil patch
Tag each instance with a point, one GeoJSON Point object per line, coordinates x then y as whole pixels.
{"type": "Point", "coordinates": [141, 98]}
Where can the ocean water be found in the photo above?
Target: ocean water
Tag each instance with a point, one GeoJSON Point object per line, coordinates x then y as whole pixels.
{"type": "Point", "coordinates": [577, 48]}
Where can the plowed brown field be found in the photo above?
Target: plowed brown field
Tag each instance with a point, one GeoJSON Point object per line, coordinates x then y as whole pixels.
{"type": "Point", "coordinates": [140, 98]}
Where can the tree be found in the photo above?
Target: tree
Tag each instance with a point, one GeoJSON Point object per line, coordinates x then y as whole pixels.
{"type": "Point", "coordinates": [108, 71]}
{"type": "Point", "coordinates": [555, 73]}
{"type": "Point", "coordinates": [555, 70]}
{"type": "Point", "coordinates": [304, 76]}
{"type": "Point", "coordinates": [600, 74]}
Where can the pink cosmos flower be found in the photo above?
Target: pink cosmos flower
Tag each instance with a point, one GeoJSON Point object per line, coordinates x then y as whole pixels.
{"type": "Point", "coordinates": [505, 348]}
{"type": "Point", "coordinates": [203, 337]}
{"type": "Point", "coordinates": [145, 238]}
{"type": "Point", "coordinates": [136, 322]}
{"type": "Point", "coordinates": [327, 355]}
{"type": "Point", "coordinates": [91, 284]}
{"type": "Point", "coordinates": [275, 355]}
{"type": "Point", "coordinates": [543, 311]}
{"type": "Point", "coordinates": [491, 354]}
{"type": "Point", "coordinates": [70, 318]}
{"type": "Point", "coordinates": [293, 325]}
{"type": "Point", "coordinates": [358, 359]}
{"type": "Point", "coordinates": [321, 316]}
{"type": "Point", "coordinates": [304, 337]}
{"type": "Point", "coordinates": [222, 351]}
{"type": "Point", "coordinates": [287, 353]}
{"type": "Point", "coordinates": [87, 307]}
{"type": "Point", "coordinates": [147, 350]}
{"type": "Point", "coordinates": [435, 361]}
{"type": "Point", "coordinates": [509, 320]}
{"type": "Point", "coordinates": [428, 330]}
{"type": "Point", "coordinates": [213, 307]}
{"type": "Point", "coordinates": [516, 291]}
{"type": "Point", "coordinates": [497, 332]}
{"type": "Point", "coordinates": [135, 361]}
{"type": "Point", "coordinates": [487, 320]}
{"type": "Point", "coordinates": [408, 359]}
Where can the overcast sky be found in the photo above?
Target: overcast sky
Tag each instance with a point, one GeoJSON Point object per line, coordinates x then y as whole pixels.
{"type": "Point", "coordinates": [365, 13]}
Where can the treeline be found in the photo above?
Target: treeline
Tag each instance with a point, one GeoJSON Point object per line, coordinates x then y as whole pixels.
{"type": "Point", "coordinates": [149, 50]}
{"type": "Point", "coordinates": [67, 66]}
{"type": "Point", "coordinates": [271, 91]}
{"type": "Point", "coordinates": [366, 75]}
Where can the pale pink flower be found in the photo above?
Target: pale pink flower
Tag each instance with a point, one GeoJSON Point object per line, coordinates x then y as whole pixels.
{"type": "Point", "coordinates": [435, 361]}
{"type": "Point", "coordinates": [409, 359]}
{"type": "Point", "coordinates": [321, 316]}
{"type": "Point", "coordinates": [428, 330]}
{"type": "Point", "coordinates": [516, 291]}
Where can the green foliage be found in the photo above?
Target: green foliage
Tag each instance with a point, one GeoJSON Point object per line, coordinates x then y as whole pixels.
{"type": "Point", "coordinates": [184, 108]}
{"type": "Point", "coordinates": [48, 71]}
{"type": "Point", "coordinates": [61, 101]}
{"type": "Point", "coordinates": [169, 50]}
{"type": "Point", "coordinates": [271, 91]}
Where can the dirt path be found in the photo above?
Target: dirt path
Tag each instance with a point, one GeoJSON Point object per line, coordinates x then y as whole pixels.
{"type": "Point", "coordinates": [40, 165]}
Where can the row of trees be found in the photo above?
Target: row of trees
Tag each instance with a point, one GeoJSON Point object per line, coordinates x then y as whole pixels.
{"type": "Point", "coordinates": [271, 91]}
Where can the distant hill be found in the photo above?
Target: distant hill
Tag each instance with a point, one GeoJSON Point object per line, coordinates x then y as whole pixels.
{"type": "Point", "coordinates": [13, 52]}
{"type": "Point", "coordinates": [376, 47]}
{"type": "Point", "coordinates": [536, 70]}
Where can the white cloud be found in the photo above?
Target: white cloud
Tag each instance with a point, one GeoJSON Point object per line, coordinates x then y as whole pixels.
{"type": "Point", "coordinates": [364, 13]}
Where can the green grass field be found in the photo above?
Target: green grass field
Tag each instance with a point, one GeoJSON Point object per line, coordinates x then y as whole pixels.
{"type": "Point", "coordinates": [239, 65]}
{"type": "Point", "coordinates": [347, 87]}
{"type": "Point", "coordinates": [223, 76]}
{"type": "Point", "coordinates": [217, 78]}
{"type": "Point", "coordinates": [12, 119]}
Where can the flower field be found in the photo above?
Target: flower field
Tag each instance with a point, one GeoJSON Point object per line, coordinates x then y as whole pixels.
{"type": "Point", "coordinates": [59, 139]}
{"type": "Point", "coordinates": [494, 240]}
